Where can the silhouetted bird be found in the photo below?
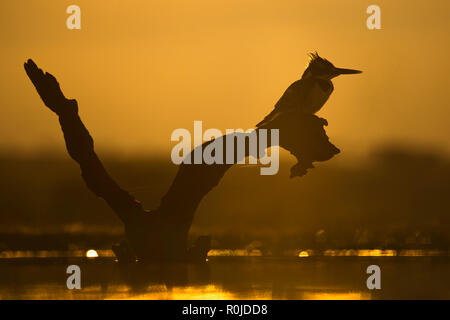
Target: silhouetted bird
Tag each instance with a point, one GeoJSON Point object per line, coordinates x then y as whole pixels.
{"type": "Point", "coordinates": [310, 93]}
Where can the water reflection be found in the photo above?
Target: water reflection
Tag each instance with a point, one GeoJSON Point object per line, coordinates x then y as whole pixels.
{"type": "Point", "coordinates": [207, 292]}
{"type": "Point", "coordinates": [228, 277]}
{"type": "Point", "coordinates": [336, 296]}
{"type": "Point", "coordinates": [91, 253]}
{"type": "Point", "coordinates": [302, 253]}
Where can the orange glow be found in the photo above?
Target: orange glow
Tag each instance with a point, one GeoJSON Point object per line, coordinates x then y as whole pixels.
{"type": "Point", "coordinates": [377, 253]}
{"type": "Point", "coordinates": [91, 254]}
{"type": "Point", "coordinates": [234, 253]}
{"type": "Point", "coordinates": [221, 59]}
{"type": "Point", "coordinates": [209, 292]}
{"type": "Point", "coordinates": [303, 254]}
{"type": "Point", "coordinates": [336, 296]}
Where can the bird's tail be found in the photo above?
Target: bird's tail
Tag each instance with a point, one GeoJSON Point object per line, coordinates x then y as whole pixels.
{"type": "Point", "coordinates": [270, 117]}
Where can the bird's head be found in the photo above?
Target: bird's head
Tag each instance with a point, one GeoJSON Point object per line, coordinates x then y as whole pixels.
{"type": "Point", "coordinates": [323, 69]}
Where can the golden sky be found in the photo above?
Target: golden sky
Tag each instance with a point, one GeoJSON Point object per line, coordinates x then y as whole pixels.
{"type": "Point", "coordinates": [140, 69]}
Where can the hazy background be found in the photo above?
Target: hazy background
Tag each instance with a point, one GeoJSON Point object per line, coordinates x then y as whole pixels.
{"type": "Point", "coordinates": [398, 199]}
{"type": "Point", "coordinates": [140, 69]}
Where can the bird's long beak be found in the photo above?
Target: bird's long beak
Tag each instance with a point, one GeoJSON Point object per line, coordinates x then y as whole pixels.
{"type": "Point", "coordinates": [339, 71]}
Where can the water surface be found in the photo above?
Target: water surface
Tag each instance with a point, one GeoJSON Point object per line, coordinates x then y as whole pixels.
{"type": "Point", "coordinates": [228, 277]}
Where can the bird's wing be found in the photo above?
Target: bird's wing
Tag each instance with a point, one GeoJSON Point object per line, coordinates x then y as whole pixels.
{"type": "Point", "coordinates": [295, 96]}
{"type": "Point", "coordinates": [270, 117]}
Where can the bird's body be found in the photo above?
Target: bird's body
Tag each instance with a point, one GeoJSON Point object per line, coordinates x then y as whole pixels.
{"type": "Point", "coordinates": [320, 92]}
{"type": "Point", "coordinates": [311, 92]}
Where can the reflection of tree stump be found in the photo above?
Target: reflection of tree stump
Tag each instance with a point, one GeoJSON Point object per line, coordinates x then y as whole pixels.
{"type": "Point", "coordinates": [162, 234]}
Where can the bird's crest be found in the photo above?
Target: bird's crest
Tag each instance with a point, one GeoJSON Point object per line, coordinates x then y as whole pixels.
{"type": "Point", "coordinates": [317, 66]}
{"type": "Point", "coordinates": [315, 58]}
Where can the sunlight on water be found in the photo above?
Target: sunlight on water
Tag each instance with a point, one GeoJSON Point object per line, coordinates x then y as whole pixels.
{"type": "Point", "coordinates": [234, 253]}
{"type": "Point", "coordinates": [333, 253]}
{"type": "Point", "coordinates": [31, 254]}
{"type": "Point", "coordinates": [383, 253]}
{"type": "Point", "coordinates": [10, 254]}
{"type": "Point", "coordinates": [360, 253]}
{"type": "Point", "coordinates": [333, 277]}
{"type": "Point", "coordinates": [303, 254]}
{"type": "Point", "coordinates": [102, 253]}
{"type": "Point", "coordinates": [125, 292]}
{"type": "Point", "coordinates": [336, 296]}
{"type": "Point", "coordinates": [91, 254]}
{"type": "Point", "coordinates": [377, 253]}
{"type": "Point", "coordinates": [422, 253]}
{"type": "Point", "coordinates": [208, 292]}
